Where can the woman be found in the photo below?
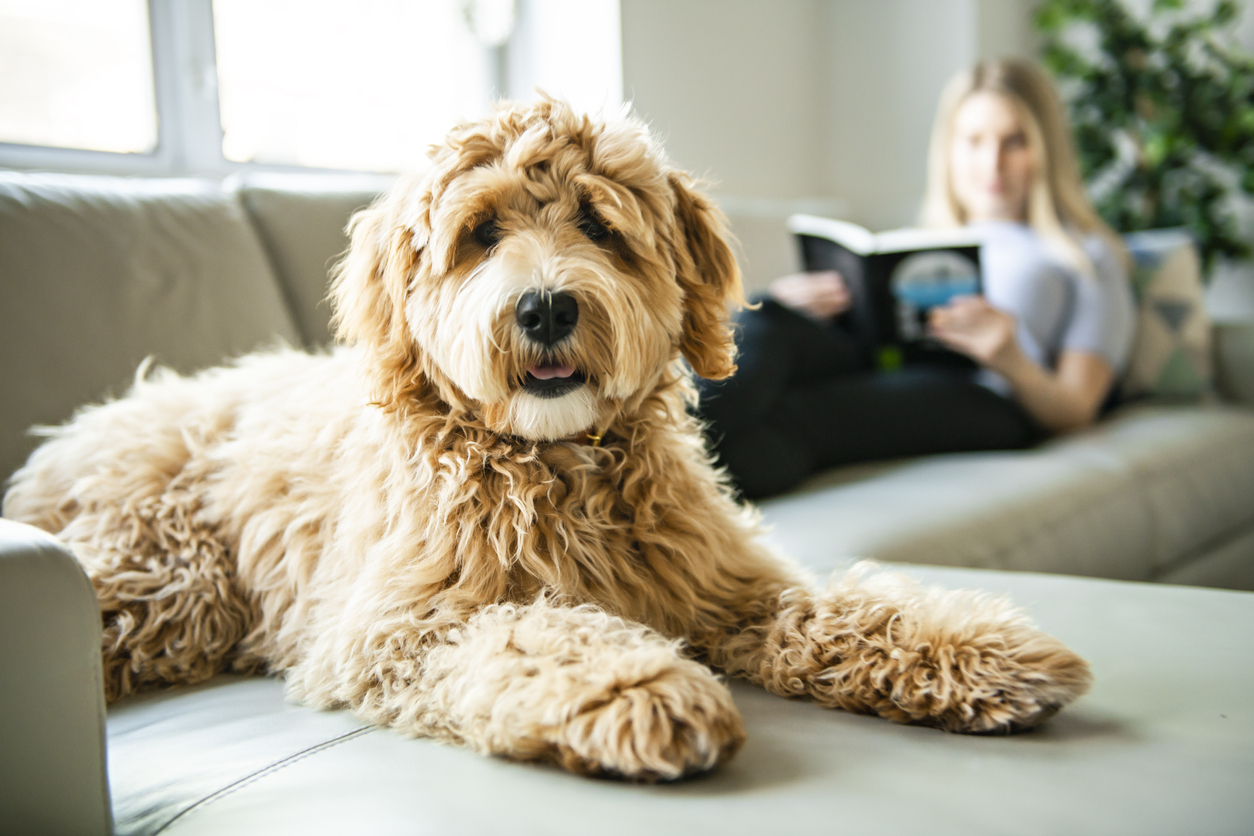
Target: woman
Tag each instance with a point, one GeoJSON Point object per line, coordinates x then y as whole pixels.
{"type": "Point", "coordinates": [1050, 334]}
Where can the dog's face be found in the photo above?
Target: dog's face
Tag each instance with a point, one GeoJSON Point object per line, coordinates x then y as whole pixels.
{"type": "Point", "coordinates": [542, 274]}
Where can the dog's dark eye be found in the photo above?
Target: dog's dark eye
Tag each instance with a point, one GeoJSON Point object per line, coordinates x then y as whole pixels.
{"type": "Point", "coordinates": [488, 233]}
{"type": "Point", "coordinates": [591, 227]}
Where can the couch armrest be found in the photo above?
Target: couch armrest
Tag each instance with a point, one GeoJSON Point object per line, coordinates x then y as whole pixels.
{"type": "Point", "coordinates": [52, 713]}
{"type": "Point", "coordinates": [1234, 361]}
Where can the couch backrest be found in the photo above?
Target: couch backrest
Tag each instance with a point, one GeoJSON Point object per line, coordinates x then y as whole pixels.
{"type": "Point", "coordinates": [97, 273]}
{"type": "Point", "coordinates": [301, 219]}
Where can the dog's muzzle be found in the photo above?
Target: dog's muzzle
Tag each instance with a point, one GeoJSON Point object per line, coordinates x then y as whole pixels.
{"type": "Point", "coordinates": [547, 318]}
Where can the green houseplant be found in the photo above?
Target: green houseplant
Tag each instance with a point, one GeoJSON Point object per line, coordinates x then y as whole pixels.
{"type": "Point", "coordinates": [1163, 113]}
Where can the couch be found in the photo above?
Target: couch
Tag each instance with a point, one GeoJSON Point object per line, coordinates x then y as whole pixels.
{"type": "Point", "coordinates": [98, 273]}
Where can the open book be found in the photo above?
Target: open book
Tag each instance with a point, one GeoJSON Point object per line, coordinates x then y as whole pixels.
{"type": "Point", "coordinates": [895, 278]}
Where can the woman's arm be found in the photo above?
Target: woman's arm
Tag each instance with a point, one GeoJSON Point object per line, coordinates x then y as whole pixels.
{"type": "Point", "coordinates": [1061, 400]}
{"type": "Point", "coordinates": [1066, 399]}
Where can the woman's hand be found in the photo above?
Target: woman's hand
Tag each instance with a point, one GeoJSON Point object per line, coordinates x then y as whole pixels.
{"type": "Point", "coordinates": [819, 296]}
{"type": "Point", "coordinates": [1066, 398]}
{"type": "Point", "coordinates": [971, 326]}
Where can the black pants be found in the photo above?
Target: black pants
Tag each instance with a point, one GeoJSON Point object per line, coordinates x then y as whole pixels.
{"type": "Point", "coordinates": [804, 399]}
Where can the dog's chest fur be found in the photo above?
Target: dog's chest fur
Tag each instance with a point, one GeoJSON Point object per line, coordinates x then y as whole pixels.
{"type": "Point", "coordinates": [467, 524]}
{"type": "Point", "coordinates": [549, 516]}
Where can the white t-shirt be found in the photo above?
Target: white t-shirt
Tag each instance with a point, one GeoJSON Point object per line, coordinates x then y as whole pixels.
{"type": "Point", "coordinates": [1057, 308]}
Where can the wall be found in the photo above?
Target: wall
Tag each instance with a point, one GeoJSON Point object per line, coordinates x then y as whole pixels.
{"type": "Point", "coordinates": [885, 66]}
{"type": "Point", "coordinates": [733, 87]}
{"type": "Point", "coordinates": [804, 105]}
{"type": "Point", "coordinates": [808, 98]}
{"type": "Point", "coordinates": [735, 91]}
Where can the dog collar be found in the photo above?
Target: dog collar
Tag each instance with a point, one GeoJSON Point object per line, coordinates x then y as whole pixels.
{"type": "Point", "coordinates": [590, 437]}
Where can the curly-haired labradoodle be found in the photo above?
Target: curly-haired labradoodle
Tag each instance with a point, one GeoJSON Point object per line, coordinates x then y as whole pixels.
{"type": "Point", "coordinates": [491, 518]}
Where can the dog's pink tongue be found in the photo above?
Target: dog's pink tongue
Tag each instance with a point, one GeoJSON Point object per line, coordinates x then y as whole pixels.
{"type": "Point", "coordinates": [549, 372]}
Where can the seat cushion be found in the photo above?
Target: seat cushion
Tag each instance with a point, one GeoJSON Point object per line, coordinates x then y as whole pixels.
{"type": "Point", "coordinates": [1143, 491]}
{"type": "Point", "coordinates": [97, 273]}
{"type": "Point", "coordinates": [1164, 743]}
{"type": "Point", "coordinates": [1192, 467]}
{"type": "Point", "coordinates": [1034, 510]}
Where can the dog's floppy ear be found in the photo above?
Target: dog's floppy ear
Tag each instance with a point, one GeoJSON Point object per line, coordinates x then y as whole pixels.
{"type": "Point", "coordinates": [710, 278]}
{"type": "Point", "coordinates": [370, 287]}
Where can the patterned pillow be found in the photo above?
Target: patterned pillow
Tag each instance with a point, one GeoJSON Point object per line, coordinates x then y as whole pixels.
{"type": "Point", "coordinates": [1171, 354]}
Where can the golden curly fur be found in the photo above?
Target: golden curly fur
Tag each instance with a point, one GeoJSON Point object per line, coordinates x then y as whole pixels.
{"type": "Point", "coordinates": [407, 528]}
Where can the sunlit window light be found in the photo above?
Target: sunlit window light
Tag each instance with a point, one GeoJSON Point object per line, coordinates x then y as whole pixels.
{"type": "Point", "coordinates": [362, 85]}
{"type": "Point", "coordinates": [77, 74]}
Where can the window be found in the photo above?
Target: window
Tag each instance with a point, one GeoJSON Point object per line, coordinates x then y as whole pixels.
{"type": "Point", "coordinates": [324, 83]}
{"type": "Point", "coordinates": [366, 85]}
{"type": "Point", "coordinates": [77, 75]}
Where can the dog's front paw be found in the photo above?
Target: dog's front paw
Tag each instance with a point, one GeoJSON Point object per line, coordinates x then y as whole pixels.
{"type": "Point", "coordinates": [958, 660]}
{"type": "Point", "coordinates": [992, 684]}
{"type": "Point", "coordinates": [668, 724]}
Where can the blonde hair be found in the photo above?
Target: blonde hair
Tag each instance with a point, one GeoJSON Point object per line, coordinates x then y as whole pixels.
{"type": "Point", "coordinates": [1058, 207]}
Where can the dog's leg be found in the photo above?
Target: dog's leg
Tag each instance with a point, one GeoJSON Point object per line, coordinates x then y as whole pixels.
{"type": "Point", "coordinates": [569, 685]}
{"type": "Point", "coordinates": [170, 605]}
{"type": "Point", "coordinates": [959, 660]}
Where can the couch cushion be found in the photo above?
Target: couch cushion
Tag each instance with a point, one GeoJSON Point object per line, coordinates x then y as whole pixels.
{"type": "Point", "coordinates": [1162, 742]}
{"type": "Point", "coordinates": [1228, 565]}
{"type": "Point", "coordinates": [173, 750]}
{"type": "Point", "coordinates": [301, 219]}
{"type": "Point", "coordinates": [1142, 491]}
{"type": "Point", "coordinates": [97, 273]}
{"type": "Point", "coordinates": [1193, 468]}
{"type": "Point", "coordinates": [1033, 510]}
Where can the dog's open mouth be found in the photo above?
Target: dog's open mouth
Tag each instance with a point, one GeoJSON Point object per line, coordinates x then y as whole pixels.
{"type": "Point", "coordinates": [552, 380]}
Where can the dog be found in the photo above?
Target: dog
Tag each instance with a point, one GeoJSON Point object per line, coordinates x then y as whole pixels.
{"type": "Point", "coordinates": [489, 517]}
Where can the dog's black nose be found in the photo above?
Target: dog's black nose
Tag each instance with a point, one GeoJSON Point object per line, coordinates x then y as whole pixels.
{"type": "Point", "coordinates": [546, 317]}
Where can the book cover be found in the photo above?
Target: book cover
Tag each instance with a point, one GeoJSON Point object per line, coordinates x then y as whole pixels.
{"type": "Point", "coordinates": [895, 278]}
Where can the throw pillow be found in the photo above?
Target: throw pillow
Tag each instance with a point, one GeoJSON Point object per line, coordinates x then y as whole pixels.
{"type": "Point", "coordinates": [1171, 354]}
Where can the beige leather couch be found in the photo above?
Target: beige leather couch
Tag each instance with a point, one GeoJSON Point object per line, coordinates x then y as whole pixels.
{"type": "Point", "coordinates": [98, 273]}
